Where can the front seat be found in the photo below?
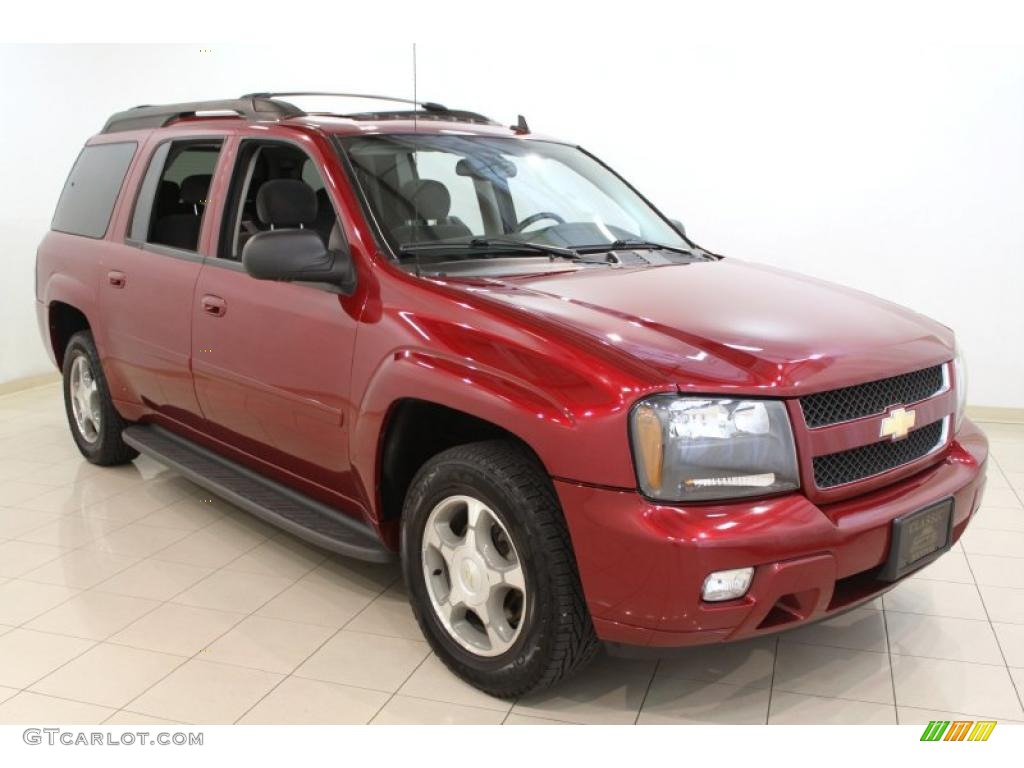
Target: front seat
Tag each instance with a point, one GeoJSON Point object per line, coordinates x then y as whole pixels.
{"type": "Point", "coordinates": [181, 230]}
{"type": "Point", "coordinates": [286, 204]}
{"type": "Point", "coordinates": [429, 202]}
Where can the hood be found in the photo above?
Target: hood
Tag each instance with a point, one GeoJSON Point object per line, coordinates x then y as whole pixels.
{"type": "Point", "coordinates": [733, 325]}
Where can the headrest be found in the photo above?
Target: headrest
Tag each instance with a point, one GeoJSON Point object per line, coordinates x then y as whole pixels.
{"type": "Point", "coordinates": [286, 203]}
{"type": "Point", "coordinates": [168, 192]}
{"type": "Point", "coordinates": [429, 199]}
{"type": "Point", "coordinates": [194, 189]}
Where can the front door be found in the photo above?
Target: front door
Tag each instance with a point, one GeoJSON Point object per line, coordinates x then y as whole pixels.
{"type": "Point", "coordinates": [271, 360]}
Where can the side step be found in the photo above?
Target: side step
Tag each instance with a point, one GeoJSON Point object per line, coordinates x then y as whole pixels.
{"type": "Point", "coordinates": [281, 506]}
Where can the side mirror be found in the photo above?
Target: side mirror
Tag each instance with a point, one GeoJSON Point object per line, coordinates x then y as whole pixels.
{"type": "Point", "coordinates": [679, 226]}
{"type": "Point", "coordinates": [296, 255]}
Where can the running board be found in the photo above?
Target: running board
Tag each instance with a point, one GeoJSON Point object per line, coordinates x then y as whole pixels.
{"type": "Point", "coordinates": [281, 506]}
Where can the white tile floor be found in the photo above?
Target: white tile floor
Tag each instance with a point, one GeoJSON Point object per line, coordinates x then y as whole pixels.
{"type": "Point", "coordinates": [128, 595]}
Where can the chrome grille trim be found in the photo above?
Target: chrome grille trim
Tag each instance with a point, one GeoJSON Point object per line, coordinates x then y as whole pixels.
{"type": "Point", "coordinates": [873, 398]}
{"type": "Point", "coordinates": [873, 457]}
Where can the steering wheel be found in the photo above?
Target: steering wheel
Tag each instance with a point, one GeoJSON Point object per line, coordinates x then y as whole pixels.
{"type": "Point", "coordinates": [539, 216]}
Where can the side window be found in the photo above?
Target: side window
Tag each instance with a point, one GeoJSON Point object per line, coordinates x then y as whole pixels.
{"type": "Point", "coordinates": [275, 185]}
{"type": "Point", "coordinates": [311, 175]}
{"type": "Point", "coordinates": [440, 166]}
{"type": "Point", "coordinates": [91, 190]}
{"type": "Point", "coordinates": [173, 197]}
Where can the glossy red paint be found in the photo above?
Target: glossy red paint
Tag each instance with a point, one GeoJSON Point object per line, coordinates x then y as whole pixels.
{"type": "Point", "coordinates": [299, 383]}
{"type": "Point", "coordinates": [643, 564]}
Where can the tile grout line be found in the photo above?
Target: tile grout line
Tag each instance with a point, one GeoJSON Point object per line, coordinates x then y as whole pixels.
{"type": "Point", "coordinates": [771, 683]}
{"type": "Point", "coordinates": [95, 643]}
{"type": "Point", "coordinates": [647, 691]}
{"type": "Point", "coordinates": [999, 644]}
{"type": "Point", "coordinates": [394, 693]}
{"type": "Point", "coordinates": [242, 617]}
{"type": "Point", "coordinates": [408, 677]}
{"type": "Point", "coordinates": [80, 592]}
{"type": "Point", "coordinates": [141, 616]}
{"type": "Point", "coordinates": [153, 556]}
{"type": "Point", "coordinates": [892, 671]}
{"type": "Point", "coordinates": [316, 650]}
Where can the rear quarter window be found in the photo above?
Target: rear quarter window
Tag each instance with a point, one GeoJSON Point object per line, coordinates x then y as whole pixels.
{"type": "Point", "coordinates": [91, 190]}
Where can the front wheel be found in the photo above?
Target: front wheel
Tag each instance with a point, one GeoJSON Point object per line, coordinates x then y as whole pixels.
{"type": "Point", "coordinates": [490, 569]}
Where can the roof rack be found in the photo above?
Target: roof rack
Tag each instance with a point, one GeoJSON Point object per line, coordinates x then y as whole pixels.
{"type": "Point", "coordinates": [269, 107]}
{"type": "Point", "coordinates": [150, 116]}
{"type": "Point", "coordinates": [430, 106]}
{"type": "Point", "coordinates": [426, 110]}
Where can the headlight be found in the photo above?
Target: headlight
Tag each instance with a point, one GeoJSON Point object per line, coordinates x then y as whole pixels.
{"type": "Point", "coordinates": [696, 449]}
{"type": "Point", "coordinates": [960, 385]}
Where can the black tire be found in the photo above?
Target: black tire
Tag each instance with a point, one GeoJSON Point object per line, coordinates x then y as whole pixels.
{"type": "Point", "coordinates": [557, 637]}
{"type": "Point", "coordinates": [107, 449]}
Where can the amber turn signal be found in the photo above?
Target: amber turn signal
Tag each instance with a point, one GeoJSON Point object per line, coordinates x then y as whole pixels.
{"type": "Point", "coordinates": [650, 445]}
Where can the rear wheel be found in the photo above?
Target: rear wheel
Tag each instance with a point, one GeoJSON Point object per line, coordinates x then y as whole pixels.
{"type": "Point", "coordinates": [95, 424]}
{"type": "Point", "coordinates": [490, 569]}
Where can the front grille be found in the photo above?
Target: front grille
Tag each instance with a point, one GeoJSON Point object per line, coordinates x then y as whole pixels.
{"type": "Point", "coordinates": [874, 459]}
{"type": "Point", "coordinates": [869, 399]}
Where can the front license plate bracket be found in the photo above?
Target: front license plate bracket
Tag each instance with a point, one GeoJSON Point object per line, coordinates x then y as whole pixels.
{"type": "Point", "coordinates": [918, 538]}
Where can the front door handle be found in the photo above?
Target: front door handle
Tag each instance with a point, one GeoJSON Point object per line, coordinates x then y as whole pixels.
{"type": "Point", "coordinates": [116, 278]}
{"type": "Point", "coordinates": [214, 305]}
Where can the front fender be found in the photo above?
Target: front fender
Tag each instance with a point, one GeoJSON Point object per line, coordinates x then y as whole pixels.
{"type": "Point", "coordinates": [584, 444]}
{"type": "Point", "coordinates": [515, 405]}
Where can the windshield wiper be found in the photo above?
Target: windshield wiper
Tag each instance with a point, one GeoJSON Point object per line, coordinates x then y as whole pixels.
{"type": "Point", "coordinates": [639, 244]}
{"type": "Point", "coordinates": [491, 246]}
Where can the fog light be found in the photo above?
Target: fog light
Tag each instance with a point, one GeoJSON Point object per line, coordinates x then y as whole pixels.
{"type": "Point", "coordinates": [727, 585]}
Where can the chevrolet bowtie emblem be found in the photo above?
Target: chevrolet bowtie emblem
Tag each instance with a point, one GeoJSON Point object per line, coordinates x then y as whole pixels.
{"type": "Point", "coordinates": [898, 423]}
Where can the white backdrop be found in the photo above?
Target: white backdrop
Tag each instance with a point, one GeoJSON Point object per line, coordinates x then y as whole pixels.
{"type": "Point", "coordinates": [895, 168]}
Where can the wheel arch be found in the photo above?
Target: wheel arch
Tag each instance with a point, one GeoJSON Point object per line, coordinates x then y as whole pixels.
{"type": "Point", "coordinates": [419, 403]}
{"type": "Point", "coordinates": [415, 431]}
{"type": "Point", "coordinates": [64, 321]}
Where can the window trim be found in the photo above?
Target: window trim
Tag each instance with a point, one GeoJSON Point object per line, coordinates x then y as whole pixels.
{"type": "Point", "coordinates": [168, 250]}
{"type": "Point", "coordinates": [383, 239]}
{"type": "Point", "coordinates": [117, 196]}
{"type": "Point", "coordinates": [228, 222]}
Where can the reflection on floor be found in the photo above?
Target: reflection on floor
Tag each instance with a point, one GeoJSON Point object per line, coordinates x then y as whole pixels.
{"type": "Point", "coordinates": [130, 596]}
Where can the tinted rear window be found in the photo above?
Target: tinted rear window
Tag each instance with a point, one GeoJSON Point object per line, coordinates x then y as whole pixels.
{"type": "Point", "coordinates": [89, 194]}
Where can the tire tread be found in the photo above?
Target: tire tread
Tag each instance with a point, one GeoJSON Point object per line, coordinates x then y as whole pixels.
{"type": "Point", "coordinates": [574, 643]}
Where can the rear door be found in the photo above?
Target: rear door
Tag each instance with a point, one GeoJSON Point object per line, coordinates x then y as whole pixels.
{"type": "Point", "coordinates": [148, 278]}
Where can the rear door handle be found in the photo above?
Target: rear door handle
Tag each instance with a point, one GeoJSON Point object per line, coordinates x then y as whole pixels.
{"type": "Point", "coordinates": [214, 305]}
{"type": "Point", "coordinates": [116, 278]}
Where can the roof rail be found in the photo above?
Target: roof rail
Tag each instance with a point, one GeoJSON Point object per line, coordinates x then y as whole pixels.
{"type": "Point", "coordinates": [429, 106]}
{"type": "Point", "coordinates": [268, 106]}
{"type": "Point", "coordinates": [428, 110]}
{"type": "Point", "coordinates": [253, 107]}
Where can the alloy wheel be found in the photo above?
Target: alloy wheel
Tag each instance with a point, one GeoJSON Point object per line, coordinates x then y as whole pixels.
{"type": "Point", "coordinates": [474, 575]}
{"type": "Point", "coordinates": [85, 399]}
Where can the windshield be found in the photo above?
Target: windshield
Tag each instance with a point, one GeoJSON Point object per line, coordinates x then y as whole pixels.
{"type": "Point", "coordinates": [429, 190]}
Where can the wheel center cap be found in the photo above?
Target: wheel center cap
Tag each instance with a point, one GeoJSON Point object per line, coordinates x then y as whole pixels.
{"type": "Point", "coordinates": [472, 579]}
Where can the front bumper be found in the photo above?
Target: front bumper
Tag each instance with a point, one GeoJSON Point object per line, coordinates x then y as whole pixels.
{"type": "Point", "coordinates": [642, 564]}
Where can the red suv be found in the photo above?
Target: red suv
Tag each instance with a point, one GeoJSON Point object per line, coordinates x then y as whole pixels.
{"type": "Point", "coordinates": [417, 333]}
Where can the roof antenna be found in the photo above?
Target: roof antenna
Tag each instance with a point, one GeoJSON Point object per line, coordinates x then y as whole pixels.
{"type": "Point", "coordinates": [415, 128]}
{"type": "Point", "coordinates": [520, 127]}
{"type": "Point", "coordinates": [415, 95]}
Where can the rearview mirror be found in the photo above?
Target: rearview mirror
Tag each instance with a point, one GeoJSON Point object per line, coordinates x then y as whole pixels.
{"type": "Point", "coordinates": [679, 226]}
{"type": "Point", "coordinates": [296, 255]}
{"type": "Point", "coordinates": [489, 168]}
